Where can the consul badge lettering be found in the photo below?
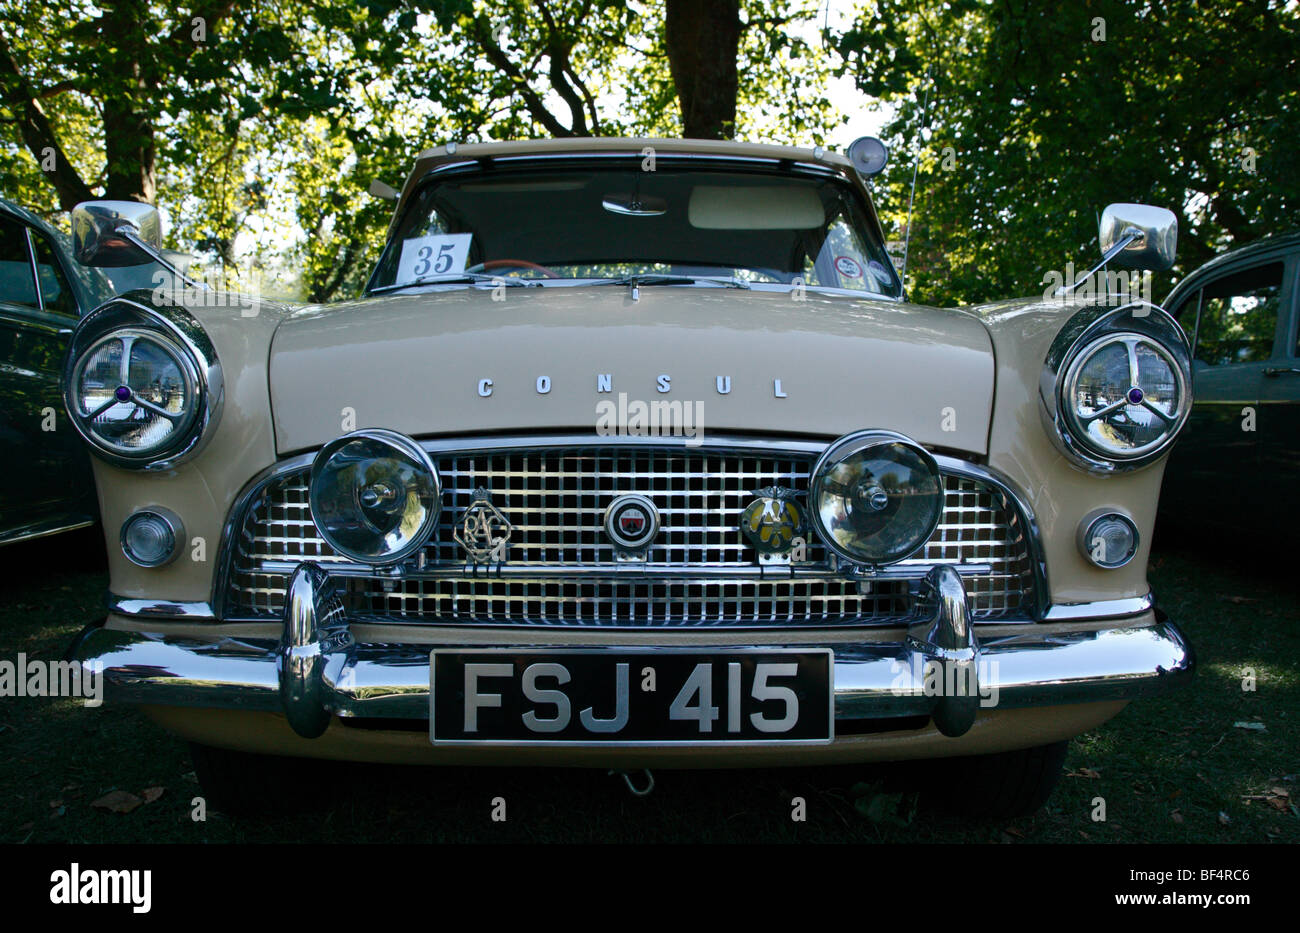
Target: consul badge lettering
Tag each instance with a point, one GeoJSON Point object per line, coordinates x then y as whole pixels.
{"type": "Point", "coordinates": [663, 384]}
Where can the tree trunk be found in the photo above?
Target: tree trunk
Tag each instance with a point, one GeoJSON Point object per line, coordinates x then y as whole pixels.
{"type": "Point", "coordinates": [129, 148]}
{"type": "Point", "coordinates": [703, 37]}
{"type": "Point", "coordinates": [129, 152]}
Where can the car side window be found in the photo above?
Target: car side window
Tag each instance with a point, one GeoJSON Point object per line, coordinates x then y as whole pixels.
{"type": "Point", "coordinates": [17, 286]}
{"type": "Point", "coordinates": [56, 293]}
{"type": "Point", "coordinates": [1238, 316]}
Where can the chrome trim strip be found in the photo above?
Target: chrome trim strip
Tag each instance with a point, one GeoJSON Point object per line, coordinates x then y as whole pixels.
{"type": "Point", "coordinates": [35, 530]}
{"type": "Point", "coordinates": [1100, 609]}
{"type": "Point", "coordinates": [316, 671]}
{"type": "Point", "coordinates": [15, 317]}
{"type": "Point", "coordinates": [161, 609]}
{"type": "Point", "coordinates": [624, 571]}
{"type": "Point", "coordinates": [577, 156]}
{"type": "Point", "coordinates": [36, 272]}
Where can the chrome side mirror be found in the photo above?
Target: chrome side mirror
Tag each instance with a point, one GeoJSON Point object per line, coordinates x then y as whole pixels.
{"type": "Point", "coordinates": [1138, 236]}
{"type": "Point", "coordinates": [110, 234]}
{"type": "Point", "coordinates": [116, 233]}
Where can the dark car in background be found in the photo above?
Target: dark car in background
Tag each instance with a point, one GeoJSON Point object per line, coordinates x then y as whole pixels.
{"type": "Point", "coordinates": [1237, 465]}
{"type": "Point", "coordinates": [43, 294]}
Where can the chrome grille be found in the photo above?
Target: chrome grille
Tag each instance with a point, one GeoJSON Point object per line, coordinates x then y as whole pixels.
{"type": "Point", "coordinates": [556, 498]}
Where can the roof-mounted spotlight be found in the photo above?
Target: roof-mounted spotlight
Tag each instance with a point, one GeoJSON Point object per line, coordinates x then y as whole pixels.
{"type": "Point", "coordinates": [868, 156]}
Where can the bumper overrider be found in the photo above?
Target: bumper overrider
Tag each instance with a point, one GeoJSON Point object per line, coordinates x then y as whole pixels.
{"type": "Point", "coordinates": [939, 668]}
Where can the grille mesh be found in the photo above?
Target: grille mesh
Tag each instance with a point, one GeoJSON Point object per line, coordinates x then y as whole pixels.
{"type": "Point", "coordinates": [556, 500]}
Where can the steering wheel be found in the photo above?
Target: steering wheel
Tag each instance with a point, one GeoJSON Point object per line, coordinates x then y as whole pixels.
{"type": "Point", "coordinates": [518, 264]}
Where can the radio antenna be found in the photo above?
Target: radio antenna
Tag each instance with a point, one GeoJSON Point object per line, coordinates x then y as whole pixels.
{"type": "Point", "coordinates": [916, 164]}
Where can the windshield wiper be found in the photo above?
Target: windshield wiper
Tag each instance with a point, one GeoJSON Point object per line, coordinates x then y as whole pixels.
{"type": "Point", "coordinates": [459, 278]}
{"type": "Point", "coordinates": [666, 278]}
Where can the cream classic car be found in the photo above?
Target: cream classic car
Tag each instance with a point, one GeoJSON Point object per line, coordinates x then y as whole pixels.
{"type": "Point", "coordinates": [632, 455]}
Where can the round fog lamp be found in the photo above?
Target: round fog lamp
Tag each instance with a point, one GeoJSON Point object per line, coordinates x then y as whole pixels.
{"type": "Point", "coordinates": [375, 496]}
{"type": "Point", "coordinates": [876, 497]}
{"type": "Point", "coordinates": [1108, 539]}
{"type": "Point", "coordinates": [152, 537]}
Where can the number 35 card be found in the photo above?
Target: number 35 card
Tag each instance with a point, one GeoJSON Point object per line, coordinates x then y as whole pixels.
{"type": "Point", "coordinates": [440, 254]}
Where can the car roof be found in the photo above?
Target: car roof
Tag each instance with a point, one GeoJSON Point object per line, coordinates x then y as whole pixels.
{"type": "Point", "coordinates": [1275, 244]}
{"type": "Point", "coordinates": [576, 145]}
{"type": "Point", "coordinates": [430, 159]}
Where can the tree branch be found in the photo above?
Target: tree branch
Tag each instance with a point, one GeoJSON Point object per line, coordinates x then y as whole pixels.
{"type": "Point", "coordinates": [211, 13]}
{"type": "Point", "coordinates": [482, 34]}
{"type": "Point", "coordinates": [38, 133]}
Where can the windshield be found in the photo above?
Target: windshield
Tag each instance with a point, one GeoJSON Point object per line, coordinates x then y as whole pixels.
{"type": "Point", "coordinates": [696, 225]}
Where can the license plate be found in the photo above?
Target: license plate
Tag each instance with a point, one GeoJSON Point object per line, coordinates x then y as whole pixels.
{"type": "Point", "coordinates": [630, 696]}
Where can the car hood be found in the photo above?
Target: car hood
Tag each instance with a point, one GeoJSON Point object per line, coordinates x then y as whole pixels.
{"type": "Point", "coordinates": [578, 359]}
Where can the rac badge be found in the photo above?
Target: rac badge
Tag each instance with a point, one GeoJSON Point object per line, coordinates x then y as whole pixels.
{"type": "Point", "coordinates": [484, 532]}
{"type": "Point", "coordinates": [631, 523]}
{"type": "Point", "coordinates": [771, 522]}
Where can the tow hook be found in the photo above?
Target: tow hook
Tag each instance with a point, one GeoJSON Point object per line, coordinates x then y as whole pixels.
{"type": "Point", "coordinates": [637, 792]}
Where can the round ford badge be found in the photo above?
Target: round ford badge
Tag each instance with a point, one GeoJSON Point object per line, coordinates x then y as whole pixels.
{"type": "Point", "coordinates": [631, 522]}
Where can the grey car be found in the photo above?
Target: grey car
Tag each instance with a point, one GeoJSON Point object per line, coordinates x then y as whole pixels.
{"type": "Point", "coordinates": [43, 294]}
{"type": "Point", "coordinates": [1237, 464]}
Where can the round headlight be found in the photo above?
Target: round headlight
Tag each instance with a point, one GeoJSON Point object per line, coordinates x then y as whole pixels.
{"type": "Point", "coordinates": [1124, 397]}
{"type": "Point", "coordinates": [876, 497]}
{"type": "Point", "coordinates": [135, 394]}
{"type": "Point", "coordinates": [375, 496]}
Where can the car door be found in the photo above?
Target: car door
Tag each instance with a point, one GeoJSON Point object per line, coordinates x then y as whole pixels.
{"type": "Point", "coordinates": [1233, 321]}
{"type": "Point", "coordinates": [47, 483]}
{"type": "Point", "coordinates": [1279, 414]}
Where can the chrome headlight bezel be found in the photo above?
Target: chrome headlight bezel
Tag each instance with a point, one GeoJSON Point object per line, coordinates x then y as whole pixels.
{"type": "Point", "coordinates": [181, 338]}
{"type": "Point", "coordinates": [1088, 333]}
{"type": "Point", "coordinates": [850, 445]}
{"type": "Point", "coordinates": [401, 445]}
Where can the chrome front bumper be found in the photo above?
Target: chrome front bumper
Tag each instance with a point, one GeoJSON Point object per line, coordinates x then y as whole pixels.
{"type": "Point", "coordinates": [940, 668]}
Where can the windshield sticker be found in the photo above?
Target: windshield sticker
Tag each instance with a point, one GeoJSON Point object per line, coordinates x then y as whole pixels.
{"type": "Point", "coordinates": [441, 254]}
{"type": "Point", "coordinates": [848, 267]}
{"type": "Point", "coordinates": [880, 272]}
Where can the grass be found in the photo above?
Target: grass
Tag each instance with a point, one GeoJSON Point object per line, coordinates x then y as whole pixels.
{"type": "Point", "coordinates": [1175, 769]}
